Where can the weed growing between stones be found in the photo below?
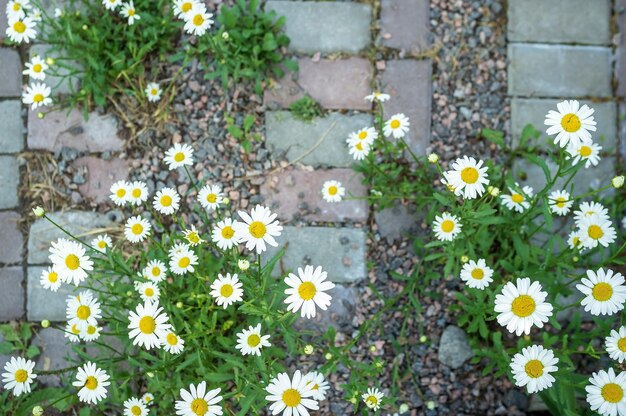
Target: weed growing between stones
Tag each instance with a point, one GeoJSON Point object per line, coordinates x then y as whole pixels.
{"type": "Point", "coordinates": [306, 109]}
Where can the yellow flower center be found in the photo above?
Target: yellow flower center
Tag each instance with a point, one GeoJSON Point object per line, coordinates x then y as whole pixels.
{"type": "Point", "coordinates": [595, 232]}
{"type": "Point", "coordinates": [193, 237]}
{"type": "Point", "coordinates": [332, 190]}
{"type": "Point", "coordinates": [372, 400]}
{"type": "Point", "coordinates": [315, 387]}
{"type": "Point", "coordinates": [523, 306]}
{"type": "Point", "coordinates": [37, 68]}
{"type": "Point", "coordinates": [19, 27]}
{"type": "Point", "coordinates": [166, 200]}
{"type": "Point", "coordinates": [226, 290]}
{"type": "Point", "coordinates": [91, 383]}
{"type": "Point", "coordinates": [211, 198]}
{"type": "Point", "coordinates": [228, 232]}
{"type": "Point", "coordinates": [136, 410]}
{"type": "Point", "coordinates": [612, 393]}
{"type": "Point", "coordinates": [149, 292]}
{"type": "Point", "coordinates": [560, 202]}
{"type": "Point", "coordinates": [447, 226]}
{"type": "Point", "coordinates": [570, 123]}
{"type": "Point", "coordinates": [362, 135]}
{"type": "Point", "coordinates": [198, 20]}
{"type": "Point", "coordinates": [186, 7]}
{"type": "Point", "coordinates": [38, 98]}
{"type": "Point", "coordinates": [72, 262]}
{"type": "Point", "coordinates": [179, 157]}
{"type": "Point", "coordinates": [199, 407]}
{"type": "Point", "coordinates": [137, 229]}
{"type": "Point", "coordinates": [83, 312]}
{"type": "Point", "coordinates": [602, 291]}
{"type": "Point", "coordinates": [478, 274]}
{"type": "Point", "coordinates": [91, 330]}
{"type": "Point", "coordinates": [584, 151]}
{"type": "Point", "coordinates": [102, 244]}
{"type": "Point", "coordinates": [21, 376]}
{"type": "Point", "coordinates": [394, 124]}
{"type": "Point", "coordinates": [136, 193]}
{"type": "Point", "coordinates": [254, 340]}
{"type": "Point", "coordinates": [120, 193]}
{"type": "Point", "coordinates": [621, 344]}
{"type": "Point", "coordinates": [131, 12]}
{"type": "Point", "coordinates": [172, 339]}
{"type": "Point", "coordinates": [153, 91]}
{"type": "Point", "coordinates": [184, 262]}
{"type": "Point", "coordinates": [147, 325]}
{"type": "Point", "coordinates": [16, 7]}
{"type": "Point", "coordinates": [75, 329]}
{"type": "Point", "coordinates": [53, 277]}
{"type": "Point", "coordinates": [517, 198]}
{"type": "Point", "coordinates": [156, 271]}
{"type": "Point", "coordinates": [469, 175]}
{"type": "Point", "coordinates": [534, 368]}
{"type": "Point", "coordinates": [291, 397]}
{"type": "Point", "coordinates": [359, 146]}
{"type": "Point", "coordinates": [257, 229]}
{"type": "Point", "coordinates": [307, 290]}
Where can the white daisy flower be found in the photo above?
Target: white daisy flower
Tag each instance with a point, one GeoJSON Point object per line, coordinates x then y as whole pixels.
{"type": "Point", "coordinates": [147, 399]}
{"type": "Point", "coordinates": [224, 234]}
{"type": "Point", "coordinates": [291, 397]}
{"type": "Point", "coordinates": [522, 305]}
{"type": "Point", "coordinates": [166, 201]}
{"type": "Point", "coordinates": [604, 292]}
{"type": "Point", "coordinates": [83, 310]}
{"type": "Point", "coordinates": [192, 236]}
{"type": "Point", "coordinates": [197, 401]}
{"type": "Point", "coordinates": [58, 12]}
{"type": "Point", "coordinates": [318, 384]}
{"type": "Point", "coordinates": [250, 341]}
{"type": "Point", "coordinates": [307, 290]}
{"type": "Point", "coordinates": [18, 375]}
{"type": "Point", "coordinates": [120, 192]}
{"type": "Point", "coordinates": [366, 135]}
{"type": "Point", "coordinates": [137, 229]}
{"type": "Point", "coordinates": [397, 125]}
{"type": "Point", "coordinates": [16, 9]}
{"type": "Point", "coordinates": [211, 196]}
{"type": "Point", "coordinates": [518, 201]}
{"type": "Point", "coordinates": [178, 248]}
{"type": "Point", "coordinates": [153, 92]}
{"type": "Point", "coordinates": [605, 393]}
{"type": "Point", "coordinates": [446, 227]}
{"type": "Point", "coordinates": [198, 21]}
{"type": "Point", "coordinates": [37, 94]}
{"type": "Point", "coordinates": [172, 343]}
{"type": "Point", "coordinates": [111, 4]}
{"type": "Point", "coordinates": [129, 12]}
{"type": "Point", "coordinates": [178, 156]}
{"type": "Point", "coordinates": [90, 333]}
{"type": "Point", "coordinates": [574, 241]}
{"type": "Point", "coordinates": [378, 96]}
{"type": "Point", "coordinates": [36, 68]}
{"type": "Point", "coordinates": [560, 202]}
{"type": "Point", "coordinates": [149, 291]}
{"type": "Point", "coordinates": [588, 210]}
{"type": "Point", "coordinates": [615, 344]}
{"type": "Point", "coordinates": [595, 230]}
{"type": "Point", "coordinates": [258, 228]}
{"type": "Point", "coordinates": [227, 290]}
{"type": "Point", "coordinates": [50, 279]}
{"type": "Point", "coordinates": [468, 177]}
{"type": "Point", "coordinates": [477, 274]}
{"type": "Point", "coordinates": [72, 332]}
{"type": "Point", "coordinates": [372, 398]}
{"type": "Point", "coordinates": [183, 7]}
{"type": "Point", "coordinates": [69, 261]}
{"type": "Point", "coordinates": [587, 152]}
{"type": "Point", "coordinates": [22, 30]}
{"type": "Point", "coordinates": [102, 243]}
{"type": "Point", "coordinates": [183, 262]}
{"type": "Point", "coordinates": [532, 368]}
{"type": "Point", "coordinates": [135, 407]}
{"type": "Point", "coordinates": [571, 123]}
{"type": "Point", "coordinates": [358, 149]}
{"type": "Point", "coordinates": [92, 382]}
{"type": "Point", "coordinates": [332, 191]}
{"type": "Point", "coordinates": [137, 193]}
{"type": "Point", "coordinates": [155, 271]}
{"type": "Point", "coordinates": [148, 325]}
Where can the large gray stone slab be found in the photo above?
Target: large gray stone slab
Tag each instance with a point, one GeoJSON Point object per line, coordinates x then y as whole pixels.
{"type": "Point", "coordinates": [620, 51]}
{"type": "Point", "coordinates": [558, 21]}
{"type": "Point", "coordinates": [293, 138]}
{"type": "Point", "coordinates": [11, 293]}
{"type": "Point", "coordinates": [56, 353]}
{"type": "Point", "coordinates": [340, 251]}
{"type": "Point", "coordinates": [10, 72]}
{"type": "Point", "coordinates": [538, 70]}
{"type": "Point", "coordinates": [80, 223]}
{"type": "Point", "coordinates": [9, 182]}
{"type": "Point", "coordinates": [339, 314]}
{"type": "Point", "coordinates": [12, 240]}
{"type": "Point", "coordinates": [405, 24]}
{"type": "Point", "coordinates": [43, 303]}
{"type": "Point", "coordinates": [622, 133]}
{"type": "Point", "coordinates": [12, 131]}
{"type": "Point", "coordinates": [325, 26]}
{"type": "Point", "coordinates": [533, 111]}
{"type": "Point", "coordinates": [454, 348]}
{"type": "Point", "coordinates": [58, 75]}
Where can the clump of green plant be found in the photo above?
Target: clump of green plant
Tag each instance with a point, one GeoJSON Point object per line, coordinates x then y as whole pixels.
{"type": "Point", "coordinates": [306, 109]}
{"type": "Point", "coordinates": [244, 133]}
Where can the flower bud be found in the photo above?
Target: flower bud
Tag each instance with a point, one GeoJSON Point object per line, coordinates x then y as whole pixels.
{"type": "Point", "coordinates": [423, 339]}
{"type": "Point", "coordinates": [85, 27]}
{"type": "Point", "coordinates": [39, 211]}
{"type": "Point", "coordinates": [403, 408]}
{"type": "Point", "coordinates": [226, 201]}
{"type": "Point", "coordinates": [37, 411]}
{"type": "Point", "coordinates": [243, 264]}
{"type": "Point", "coordinates": [179, 305]}
{"type": "Point", "coordinates": [372, 348]}
{"type": "Point", "coordinates": [464, 259]}
{"type": "Point", "coordinates": [150, 374]}
{"type": "Point", "coordinates": [618, 181]}
{"type": "Point", "coordinates": [433, 158]}
{"type": "Point", "coordinates": [40, 115]}
{"type": "Point", "coordinates": [328, 356]}
{"type": "Point", "coordinates": [353, 400]}
{"type": "Point", "coordinates": [308, 349]}
{"type": "Point", "coordinates": [493, 191]}
{"type": "Point", "coordinates": [431, 405]}
{"type": "Point", "coordinates": [225, 35]}
{"type": "Point", "coordinates": [45, 323]}
{"type": "Point", "coordinates": [50, 61]}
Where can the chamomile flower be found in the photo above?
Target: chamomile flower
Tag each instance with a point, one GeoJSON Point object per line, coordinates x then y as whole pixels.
{"type": "Point", "coordinates": [397, 125]}
{"type": "Point", "coordinates": [129, 12]}
{"type": "Point", "coordinates": [18, 375]}
{"type": "Point", "coordinates": [258, 229]}
{"type": "Point", "coordinates": [198, 21]}
{"type": "Point", "coordinates": [149, 291]}
{"type": "Point", "coordinates": [193, 236]}
{"type": "Point", "coordinates": [211, 196]}
{"type": "Point", "coordinates": [574, 241]}
{"type": "Point", "coordinates": [91, 333]}
{"type": "Point", "coordinates": [102, 243]}
{"type": "Point", "coordinates": [137, 229]}
{"type": "Point", "coordinates": [111, 4]}
{"type": "Point", "coordinates": [291, 396]}
{"type": "Point", "coordinates": [307, 290]}
{"type": "Point", "coordinates": [588, 210]}
{"type": "Point", "coordinates": [92, 382]}
{"type": "Point", "coordinates": [605, 393]}
{"type": "Point", "coordinates": [16, 9]}
{"type": "Point", "coordinates": [166, 201]}
{"type": "Point", "coordinates": [177, 248]}
{"type": "Point", "coordinates": [604, 292]}
{"type": "Point", "coordinates": [358, 149]}
{"type": "Point", "coordinates": [595, 230]}
{"type": "Point", "coordinates": [135, 407]}
{"type": "Point", "coordinates": [365, 135]}
{"type": "Point", "coordinates": [183, 262]}
{"type": "Point", "coordinates": [250, 341]}
{"type": "Point", "coordinates": [446, 227]}
{"type": "Point", "coordinates": [332, 191]}
{"type": "Point", "coordinates": [522, 305]}
{"type": "Point", "coordinates": [72, 333]}
{"type": "Point", "coordinates": [172, 343]}
{"type": "Point", "coordinates": [518, 201]}
{"type": "Point", "coordinates": [69, 261]}
{"type": "Point", "coordinates": [587, 152]}
{"type": "Point", "coordinates": [37, 94]}
{"type": "Point", "coordinates": [560, 202]}
{"type": "Point", "coordinates": [148, 399]}
{"type": "Point", "coordinates": [318, 384]}
{"type": "Point", "coordinates": [36, 68]}
{"type": "Point", "coordinates": [148, 325]}
{"type": "Point", "coordinates": [372, 398]}
{"type": "Point", "coordinates": [468, 177]}
{"type": "Point", "coordinates": [226, 290]}
{"type": "Point", "coordinates": [50, 279]}
{"type": "Point", "coordinates": [571, 123]}
{"type": "Point", "coordinates": [224, 234]}
{"type": "Point", "coordinates": [137, 193]}
{"type": "Point", "coordinates": [120, 191]}
{"type": "Point", "coordinates": [83, 310]}
{"type": "Point", "coordinates": [22, 30]}
{"type": "Point", "coordinates": [153, 92]}
{"type": "Point", "coordinates": [378, 96]}
{"type": "Point", "coordinates": [198, 401]}
{"type": "Point", "coordinates": [183, 7]}
{"type": "Point", "coordinates": [155, 271]}
{"type": "Point", "coordinates": [477, 274]}
{"type": "Point", "coordinates": [615, 344]}
{"type": "Point", "coordinates": [178, 156]}
{"type": "Point", "coordinates": [532, 367]}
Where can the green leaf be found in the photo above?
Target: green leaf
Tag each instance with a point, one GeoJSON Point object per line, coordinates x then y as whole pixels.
{"type": "Point", "coordinates": [248, 122]}
{"type": "Point", "coordinates": [269, 42]}
{"type": "Point", "coordinates": [493, 136]}
{"type": "Point", "coordinates": [235, 131]}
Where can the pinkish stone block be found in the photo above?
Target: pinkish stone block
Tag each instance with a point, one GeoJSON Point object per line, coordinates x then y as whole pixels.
{"type": "Point", "coordinates": [298, 194]}
{"type": "Point", "coordinates": [101, 174]}
{"type": "Point", "coordinates": [405, 24]}
{"type": "Point", "coordinates": [13, 241]}
{"type": "Point", "coordinates": [282, 93]}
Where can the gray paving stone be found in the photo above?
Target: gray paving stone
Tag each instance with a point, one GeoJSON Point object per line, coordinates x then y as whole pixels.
{"type": "Point", "coordinates": [58, 130]}
{"type": "Point", "coordinates": [325, 26]}
{"type": "Point", "coordinates": [57, 76]}
{"type": "Point", "coordinates": [11, 293]}
{"type": "Point", "coordinates": [339, 314]}
{"type": "Point", "coordinates": [3, 358]}
{"type": "Point", "coordinates": [4, 24]}
{"type": "Point", "coordinates": [12, 131]}
{"type": "Point", "coordinates": [13, 245]}
{"type": "Point", "coordinates": [56, 349]}
{"type": "Point", "coordinates": [9, 181]}
{"type": "Point", "coordinates": [409, 82]}
{"type": "Point", "coordinates": [293, 138]}
{"type": "Point", "coordinates": [296, 194]}
{"type": "Point", "coordinates": [556, 21]}
{"type": "Point", "coordinates": [405, 24]}
{"type": "Point", "coordinates": [622, 133]}
{"type": "Point", "coordinates": [43, 303]}
{"type": "Point", "coordinates": [79, 223]}
{"type": "Point", "coordinates": [10, 73]}
{"type": "Point", "coordinates": [537, 70]}
{"type": "Point", "coordinates": [533, 111]}
{"type": "Point", "coordinates": [340, 251]}
{"type": "Point", "coordinates": [397, 221]}
{"type": "Point", "coordinates": [620, 50]}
